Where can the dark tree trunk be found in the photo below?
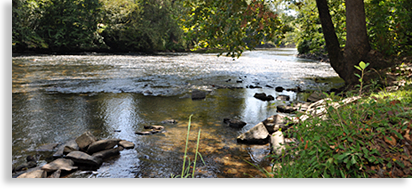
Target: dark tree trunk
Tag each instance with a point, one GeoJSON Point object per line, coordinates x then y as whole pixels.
{"type": "Point", "coordinates": [357, 46]}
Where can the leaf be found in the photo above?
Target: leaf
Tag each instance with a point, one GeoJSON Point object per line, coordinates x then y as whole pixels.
{"type": "Point", "coordinates": [358, 68]}
{"type": "Point", "coordinates": [362, 65]}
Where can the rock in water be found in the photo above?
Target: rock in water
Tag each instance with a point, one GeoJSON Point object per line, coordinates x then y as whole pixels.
{"type": "Point", "coordinates": [263, 97]}
{"type": "Point", "coordinates": [234, 123]}
{"type": "Point", "coordinates": [256, 135]}
{"type": "Point", "coordinates": [59, 164]}
{"type": "Point", "coordinates": [198, 95]}
{"type": "Point", "coordinates": [34, 173]}
{"type": "Point", "coordinates": [82, 158]}
{"type": "Point", "coordinates": [126, 144]}
{"type": "Point", "coordinates": [107, 153]}
{"type": "Point", "coordinates": [102, 145]}
{"type": "Point", "coordinates": [277, 143]}
{"type": "Point", "coordinates": [84, 140]}
{"type": "Point", "coordinates": [283, 97]}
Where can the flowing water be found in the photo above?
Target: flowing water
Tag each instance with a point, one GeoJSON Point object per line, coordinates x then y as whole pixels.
{"type": "Point", "coordinates": [57, 98]}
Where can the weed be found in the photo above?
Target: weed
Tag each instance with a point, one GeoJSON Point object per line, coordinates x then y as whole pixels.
{"type": "Point", "coordinates": [186, 170]}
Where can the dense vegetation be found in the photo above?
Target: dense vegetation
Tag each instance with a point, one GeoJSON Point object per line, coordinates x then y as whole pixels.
{"type": "Point", "coordinates": [388, 24]}
{"type": "Point", "coordinates": [96, 25]}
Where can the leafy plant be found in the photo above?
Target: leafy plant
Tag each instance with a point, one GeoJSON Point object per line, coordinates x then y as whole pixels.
{"type": "Point", "coordinates": [362, 66]}
{"type": "Point", "coordinates": [186, 169]}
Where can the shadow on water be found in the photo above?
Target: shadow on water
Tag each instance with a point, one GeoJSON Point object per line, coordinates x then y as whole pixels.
{"type": "Point", "coordinates": [57, 98]}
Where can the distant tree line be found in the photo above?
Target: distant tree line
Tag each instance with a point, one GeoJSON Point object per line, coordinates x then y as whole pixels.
{"type": "Point", "coordinates": [96, 25]}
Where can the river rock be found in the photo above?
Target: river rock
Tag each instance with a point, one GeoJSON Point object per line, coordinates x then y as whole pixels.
{"type": "Point", "coordinates": [283, 97]}
{"type": "Point", "coordinates": [198, 95]}
{"type": "Point", "coordinates": [83, 158]}
{"type": "Point", "coordinates": [143, 132]}
{"type": "Point", "coordinates": [262, 96]}
{"type": "Point", "coordinates": [277, 143]}
{"type": "Point", "coordinates": [108, 153]}
{"type": "Point", "coordinates": [59, 164]}
{"type": "Point", "coordinates": [316, 96]}
{"type": "Point", "coordinates": [25, 166]}
{"type": "Point", "coordinates": [234, 123]}
{"type": "Point", "coordinates": [55, 174]}
{"type": "Point", "coordinates": [155, 127]}
{"type": "Point", "coordinates": [286, 109]}
{"type": "Point", "coordinates": [102, 145]}
{"type": "Point", "coordinates": [279, 89]}
{"type": "Point", "coordinates": [36, 172]}
{"type": "Point", "coordinates": [66, 148]}
{"type": "Point", "coordinates": [276, 122]}
{"type": "Point", "coordinates": [47, 147]}
{"type": "Point", "coordinates": [256, 135]}
{"type": "Point", "coordinates": [172, 121]}
{"type": "Point", "coordinates": [126, 144]}
{"type": "Point", "coordinates": [84, 140]}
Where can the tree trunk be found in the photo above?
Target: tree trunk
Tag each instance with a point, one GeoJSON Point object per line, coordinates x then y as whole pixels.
{"type": "Point", "coordinates": [357, 46]}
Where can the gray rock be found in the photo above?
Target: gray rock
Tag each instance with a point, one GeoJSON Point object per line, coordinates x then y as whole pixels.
{"type": "Point", "coordinates": [143, 132]}
{"type": "Point", "coordinates": [169, 121]}
{"type": "Point", "coordinates": [234, 123]}
{"type": "Point", "coordinates": [286, 109]}
{"type": "Point", "coordinates": [66, 148]}
{"type": "Point", "coordinates": [198, 95]}
{"type": "Point", "coordinates": [283, 97]}
{"type": "Point", "coordinates": [107, 153]}
{"type": "Point", "coordinates": [275, 122]}
{"type": "Point", "coordinates": [155, 127]}
{"type": "Point", "coordinates": [263, 97]}
{"type": "Point", "coordinates": [126, 144]}
{"type": "Point", "coordinates": [47, 147]}
{"type": "Point", "coordinates": [55, 174]}
{"type": "Point", "coordinates": [34, 173]}
{"type": "Point", "coordinates": [59, 164]}
{"type": "Point", "coordinates": [84, 140]}
{"type": "Point", "coordinates": [102, 145]}
{"type": "Point", "coordinates": [82, 158]}
{"type": "Point", "coordinates": [256, 135]}
{"type": "Point", "coordinates": [277, 143]}
{"type": "Point", "coordinates": [25, 166]}
{"type": "Point", "coordinates": [316, 96]}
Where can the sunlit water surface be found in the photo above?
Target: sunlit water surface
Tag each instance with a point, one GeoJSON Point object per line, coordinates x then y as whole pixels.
{"type": "Point", "coordinates": [57, 98]}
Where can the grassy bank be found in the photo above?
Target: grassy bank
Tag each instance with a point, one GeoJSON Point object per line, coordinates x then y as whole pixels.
{"type": "Point", "coordinates": [370, 137]}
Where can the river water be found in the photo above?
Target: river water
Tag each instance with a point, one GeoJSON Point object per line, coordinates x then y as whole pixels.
{"type": "Point", "coordinates": [57, 98]}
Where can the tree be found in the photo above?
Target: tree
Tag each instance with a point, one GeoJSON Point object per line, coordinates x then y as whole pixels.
{"type": "Point", "coordinates": [357, 47]}
{"type": "Point", "coordinates": [231, 26]}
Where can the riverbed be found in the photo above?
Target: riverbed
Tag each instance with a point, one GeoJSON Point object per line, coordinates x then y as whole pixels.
{"type": "Point", "coordinates": [56, 98]}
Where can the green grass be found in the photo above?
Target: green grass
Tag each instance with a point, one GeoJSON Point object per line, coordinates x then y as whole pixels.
{"type": "Point", "coordinates": [191, 165]}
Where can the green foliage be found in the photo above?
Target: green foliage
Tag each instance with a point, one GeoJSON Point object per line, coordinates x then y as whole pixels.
{"type": "Point", "coordinates": [143, 25]}
{"type": "Point", "coordinates": [389, 26]}
{"type": "Point", "coordinates": [69, 25]}
{"type": "Point", "coordinates": [231, 26]}
{"type": "Point", "coordinates": [362, 66]}
{"type": "Point", "coordinates": [370, 137]}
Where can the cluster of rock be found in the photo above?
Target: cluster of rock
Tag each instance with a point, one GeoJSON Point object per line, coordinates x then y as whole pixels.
{"type": "Point", "coordinates": [84, 152]}
{"type": "Point", "coordinates": [271, 130]}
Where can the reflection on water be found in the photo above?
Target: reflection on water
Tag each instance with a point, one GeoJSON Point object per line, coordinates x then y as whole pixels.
{"type": "Point", "coordinates": [57, 98]}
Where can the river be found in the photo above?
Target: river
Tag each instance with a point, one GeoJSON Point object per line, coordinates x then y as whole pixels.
{"type": "Point", "coordinates": [58, 97]}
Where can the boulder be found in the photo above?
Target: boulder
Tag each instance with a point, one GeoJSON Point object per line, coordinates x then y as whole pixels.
{"type": "Point", "coordinates": [169, 121]}
{"type": "Point", "coordinates": [277, 143]}
{"type": "Point", "coordinates": [102, 145]}
{"type": "Point", "coordinates": [66, 148]}
{"type": "Point", "coordinates": [55, 174]}
{"type": "Point", "coordinates": [47, 147]}
{"type": "Point", "coordinates": [234, 123]}
{"type": "Point", "coordinates": [316, 96]}
{"type": "Point", "coordinates": [256, 135]}
{"type": "Point", "coordinates": [59, 164]}
{"type": "Point", "coordinates": [283, 97]}
{"type": "Point", "coordinates": [107, 153]}
{"type": "Point", "coordinates": [126, 144]}
{"type": "Point", "coordinates": [84, 140]}
{"type": "Point", "coordinates": [83, 158]}
{"type": "Point", "coordinates": [34, 173]}
{"type": "Point", "coordinates": [198, 95]}
{"type": "Point", "coordinates": [154, 127]}
{"type": "Point", "coordinates": [286, 109]}
{"type": "Point", "coordinates": [279, 89]}
{"type": "Point", "coordinates": [262, 96]}
{"type": "Point", "coordinates": [275, 122]}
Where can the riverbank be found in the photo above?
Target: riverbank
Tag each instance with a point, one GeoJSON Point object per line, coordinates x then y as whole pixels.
{"type": "Point", "coordinates": [369, 137]}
